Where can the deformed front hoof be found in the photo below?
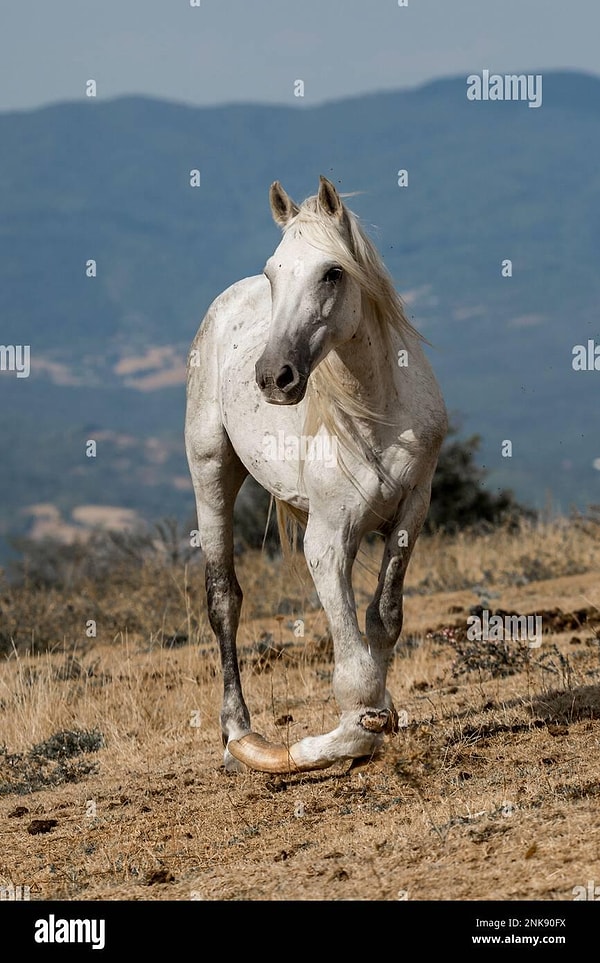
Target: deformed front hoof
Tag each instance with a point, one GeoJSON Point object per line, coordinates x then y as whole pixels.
{"type": "Point", "coordinates": [380, 720]}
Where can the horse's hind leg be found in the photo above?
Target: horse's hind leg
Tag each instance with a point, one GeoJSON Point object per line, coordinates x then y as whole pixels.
{"type": "Point", "coordinates": [218, 474]}
{"type": "Point", "coordinates": [385, 613]}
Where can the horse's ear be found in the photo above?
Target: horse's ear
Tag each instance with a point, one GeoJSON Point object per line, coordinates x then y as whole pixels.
{"type": "Point", "coordinates": [328, 198]}
{"type": "Point", "coordinates": [282, 206]}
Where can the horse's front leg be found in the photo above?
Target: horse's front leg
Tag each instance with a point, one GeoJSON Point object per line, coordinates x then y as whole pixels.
{"type": "Point", "coordinates": [359, 672]}
{"type": "Point", "coordinates": [218, 474]}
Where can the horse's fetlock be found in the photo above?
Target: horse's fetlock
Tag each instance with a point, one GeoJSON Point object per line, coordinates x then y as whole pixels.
{"type": "Point", "coordinates": [380, 720]}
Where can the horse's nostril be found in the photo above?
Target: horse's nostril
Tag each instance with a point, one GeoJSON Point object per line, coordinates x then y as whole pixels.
{"type": "Point", "coordinates": [285, 377]}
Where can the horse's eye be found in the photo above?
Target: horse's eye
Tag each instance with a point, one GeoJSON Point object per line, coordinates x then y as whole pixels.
{"type": "Point", "coordinates": [334, 274]}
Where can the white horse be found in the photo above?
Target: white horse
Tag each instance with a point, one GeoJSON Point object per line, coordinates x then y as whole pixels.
{"type": "Point", "coordinates": [316, 352]}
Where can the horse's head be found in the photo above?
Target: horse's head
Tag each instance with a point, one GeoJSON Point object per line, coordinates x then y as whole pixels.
{"type": "Point", "coordinates": [316, 302]}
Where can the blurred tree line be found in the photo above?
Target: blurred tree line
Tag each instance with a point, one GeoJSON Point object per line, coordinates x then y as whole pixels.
{"type": "Point", "coordinates": [459, 498]}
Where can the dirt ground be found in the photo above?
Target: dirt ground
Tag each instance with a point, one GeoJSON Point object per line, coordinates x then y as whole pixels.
{"type": "Point", "coordinates": [112, 786]}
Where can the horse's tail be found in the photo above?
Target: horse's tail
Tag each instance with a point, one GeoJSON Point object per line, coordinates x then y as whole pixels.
{"type": "Point", "coordinates": [289, 522]}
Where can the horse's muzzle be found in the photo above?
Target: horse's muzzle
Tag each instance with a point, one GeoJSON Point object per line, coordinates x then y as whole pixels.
{"type": "Point", "coordinates": [280, 384]}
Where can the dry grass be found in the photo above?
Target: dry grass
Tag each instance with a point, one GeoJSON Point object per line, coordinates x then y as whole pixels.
{"type": "Point", "coordinates": [490, 791]}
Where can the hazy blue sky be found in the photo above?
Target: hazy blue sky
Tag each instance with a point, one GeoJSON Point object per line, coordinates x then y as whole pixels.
{"type": "Point", "coordinates": [252, 50]}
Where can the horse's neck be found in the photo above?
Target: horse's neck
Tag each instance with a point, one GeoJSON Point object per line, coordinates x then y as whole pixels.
{"type": "Point", "coordinates": [366, 367]}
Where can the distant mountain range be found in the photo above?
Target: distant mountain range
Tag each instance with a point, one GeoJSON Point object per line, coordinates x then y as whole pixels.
{"type": "Point", "coordinates": [109, 182]}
